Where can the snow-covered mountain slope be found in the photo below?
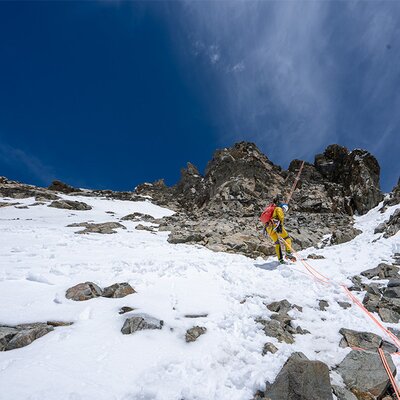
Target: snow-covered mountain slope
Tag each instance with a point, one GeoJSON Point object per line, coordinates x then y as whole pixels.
{"type": "Point", "coordinates": [40, 258]}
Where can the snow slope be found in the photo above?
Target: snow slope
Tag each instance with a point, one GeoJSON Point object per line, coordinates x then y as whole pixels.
{"type": "Point", "coordinates": [40, 258]}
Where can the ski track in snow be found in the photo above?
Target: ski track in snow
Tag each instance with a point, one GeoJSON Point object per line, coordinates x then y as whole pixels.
{"type": "Point", "coordinates": [40, 258]}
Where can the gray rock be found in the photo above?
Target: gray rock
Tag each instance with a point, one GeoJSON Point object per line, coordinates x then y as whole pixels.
{"type": "Point", "coordinates": [273, 328]}
{"type": "Point", "coordinates": [125, 309]}
{"type": "Point", "coordinates": [364, 340]}
{"type": "Point", "coordinates": [140, 322]}
{"type": "Point", "coordinates": [362, 371]}
{"type": "Point", "coordinates": [24, 337]}
{"type": "Point", "coordinates": [70, 205]}
{"type": "Point", "coordinates": [392, 292]}
{"type": "Point", "coordinates": [280, 306]}
{"type": "Point", "coordinates": [103, 228]}
{"type": "Point", "coordinates": [141, 227]}
{"type": "Point", "coordinates": [313, 256]}
{"type": "Point", "coordinates": [269, 348]}
{"type": "Point", "coordinates": [382, 271]}
{"type": "Point", "coordinates": [380, 228]}
{"type": "Point", "coordinates": [323, 305]}
{"type": "Point", "coordinates": [394, 282]}
{"type": "Point", "coordinates": [7, 204]}
{"type": "Point", "coordinates": [118, 290]}
{"type": "Point", "coordinates": [136, 216]}
{"type": "Point", "coordinates": [194, 333]}
{"type": "Point", "coordinates": [6, 334]}
{"type": "Point", "coordinates": [371, 302]}
{"type": "Point", "coordinates": [344, 304]}
{"type": "Point", "coordinates": [196, 315]}
{"type": "Point", "coordinates": [342, 393]}
{"type": "Point", "coordinates": [301, 378]}
{"type": "Point", "coordinates": [393, 224]}
{"type": "Point", "coordinates": [83, 291]}
{"type": "Point", "coordinates": [344, 236]}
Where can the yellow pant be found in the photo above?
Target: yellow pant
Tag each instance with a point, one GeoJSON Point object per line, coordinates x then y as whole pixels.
{"type": "Point", "coordinates": [275, 237]}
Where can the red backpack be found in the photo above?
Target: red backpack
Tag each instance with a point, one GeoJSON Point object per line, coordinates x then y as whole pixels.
{"type": "Point", "coordinates": [266, 215]}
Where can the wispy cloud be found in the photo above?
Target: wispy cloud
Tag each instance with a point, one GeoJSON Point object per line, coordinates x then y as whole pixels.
{"type": "Point", "coordinates": [297, 75]}
{"type": "Point", "coordinates": [21, 161]}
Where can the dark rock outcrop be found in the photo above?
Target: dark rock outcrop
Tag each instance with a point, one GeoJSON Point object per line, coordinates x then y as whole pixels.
{"type": "Point", "coordinates": [358, 171]}
{"type": "Point", "coordinates": [391, 226]}
{"type": "Point", "coordinates": [58, 186]}
{"type": "Point", "coordinates": [344, 235]}
{"type": "Point", "coordinates": [220, 210]}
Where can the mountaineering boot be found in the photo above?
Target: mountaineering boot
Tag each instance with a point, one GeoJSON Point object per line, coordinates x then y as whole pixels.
{"type": "Point", "coordinates": [282, 261]}
{"type": "Point", "coordinates": [291, 257]}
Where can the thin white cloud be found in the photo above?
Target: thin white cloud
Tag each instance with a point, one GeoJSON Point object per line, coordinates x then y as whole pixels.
{"type": "Point", "coordinates": [279, 64]}
{"type": "Point", "coordinates": [21, 161]}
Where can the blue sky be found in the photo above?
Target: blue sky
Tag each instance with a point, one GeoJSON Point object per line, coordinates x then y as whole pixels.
{"type": "Point", "coordinates": [110, 94]}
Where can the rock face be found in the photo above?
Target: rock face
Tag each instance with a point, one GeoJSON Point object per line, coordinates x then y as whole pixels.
{"type": "Point", "coordinates": [362, 372]}
{"type": "Point", "coordinates": [118, 290]}
{"type": "Point", "coordinates": [343, 236]}
{"type": "Point", "coordinates": [140, 322]}
{"type": "Point", "coordinates": [301, 379]}
{"type": "Point", "coordinates": [391, 226]}
{"type": "Point", "coordinates": [358, 171]}
{"type": "Point", "coordinates": [384, 301]}
{"type": "Point", "coordinates": [83, 291]}
{"type": "Point", "coordinates": [70, 205]}
{"type": "Point", "coordinates": [221, 209]}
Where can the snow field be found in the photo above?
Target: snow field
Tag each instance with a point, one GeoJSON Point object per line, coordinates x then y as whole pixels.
{"type": "Point", "coordinates": [40, 258]}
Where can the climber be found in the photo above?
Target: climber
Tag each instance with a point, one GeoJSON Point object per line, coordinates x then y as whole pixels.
{"type": "Point", "coordinates": [272, 218]}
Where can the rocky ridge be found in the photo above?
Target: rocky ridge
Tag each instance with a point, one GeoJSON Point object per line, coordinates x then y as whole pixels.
{"type": "Point", "coordinates": [220, 209]}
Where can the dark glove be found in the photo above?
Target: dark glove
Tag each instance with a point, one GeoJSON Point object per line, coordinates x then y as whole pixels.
{"type": "Point", "coordinates": [279, 228]}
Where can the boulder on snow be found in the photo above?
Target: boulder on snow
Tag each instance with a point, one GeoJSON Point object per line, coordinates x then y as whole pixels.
{"type": "Point", "coordinates": [137, 216]}
{"type": "Point", "coordinates": [70, 205]}
{"type": "Point", "coordinates": [140, 322]}
{"type": "Point", "coordinates": [83, 291]}
{"type": "Point", "coordinates": [118, 290]}
{"type": "Point", "coordinates": [301, 378]}
{"type": "Point", "coordinates": [125, 309]}
{"type": "Point", "coordinates": [6, 334]}
{"type": "Point", "coordinates": [194, 333]}
{"type": "Point", "coordinates": [103, 228]}
{"type": "Point", "coordinates": [382, 271]}
{"type": "Point", "coordinates": [364, 340]}
{"type": "Point", "coordinates": [27, 334]}
{"type": "Point", "coordinates": [362, 372]}
{"type": "Point", "coordinates": [313, 256]}
{"type": "Point", "coordinates": [269, 348]}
